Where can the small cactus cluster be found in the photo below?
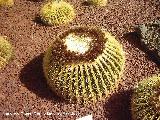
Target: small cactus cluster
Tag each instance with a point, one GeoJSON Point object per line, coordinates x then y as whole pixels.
{"type": "Point", "coordinates": [98, 2]}
{"type": "Point", "coordinates": [146, 100]}
{"type": "Point", "coordinates": [6, 3]}
{"type": "Point", "coordinates": [150, 35]}
{"type": "Point", "coordinates": [5, 51]}
{"type": "Point", "coordinates": [84, 64]}
{"type": "Point", "coordinates": [57, 12]}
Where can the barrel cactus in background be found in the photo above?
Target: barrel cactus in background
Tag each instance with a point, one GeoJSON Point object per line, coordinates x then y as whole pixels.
{"type": "Point", "coordinates": [6, 3]}
{"type": "Point", "coordinates": [84, 64]}
{"type": "Point", "coordinates": [5, 51]}
{"type": "Point", "coordinates": [146, 100]}
{"type": "Point", "coordinates": [98, 2]}
{"type": "Point", "coordinates": [150, 35]}
{"type": "Point", "coordinates": [57, 12]}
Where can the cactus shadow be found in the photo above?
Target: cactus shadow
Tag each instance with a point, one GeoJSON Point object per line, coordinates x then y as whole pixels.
{"type": "Point", "coordinates": [134, 39]}
{"type": "Point", "coordinates": [118, 106]}
{"type": "Point", "coordinates": [33, 78]}
{"type": "Point", "coordinates": [39, 21]}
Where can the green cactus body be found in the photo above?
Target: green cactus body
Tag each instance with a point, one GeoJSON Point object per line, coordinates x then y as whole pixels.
{"type": "Point", "coordinates": [146, 100]}
{"type": "Point", "coordinates": [57, 13]}
{"type": "Point", "coordinates": [98, 2]}
{"type": "Point", "coordinates": [150, 35]}
{"type": "Point", "coordinates": [5, 51]}
{"type": "Point", "coordinates": [84, 64]}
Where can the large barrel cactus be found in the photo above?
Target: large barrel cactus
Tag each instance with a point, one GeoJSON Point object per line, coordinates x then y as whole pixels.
{"type": "Point", "coordinates": [57, 12]}
{"type": "Point", "coordinates": [84, 64]}
{"type": "Point", "coordinates": [5, 51]}
{"type": "Point", "coordinates": [146, 100]}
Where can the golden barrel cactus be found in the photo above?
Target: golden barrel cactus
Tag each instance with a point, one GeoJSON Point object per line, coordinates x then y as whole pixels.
{"type": "Point", "coordinates": [57, 12]}
{"type": "Point", "coordinates": [84, 64]}
{"type": "Point", "coordinates": [7, 3]}
{"type": "Point", "coordinates": [98, 2]}
{"type": "Point", "coordinates": [146, 100]}
{"type": "Point", "coordinates": [5, 51]}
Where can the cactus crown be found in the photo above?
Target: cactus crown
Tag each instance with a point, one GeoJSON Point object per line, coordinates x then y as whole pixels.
{"type": "Point", "coordinates": [57, 12]}
{"type": "Point", "coordinates": [81, 44]}
{"type": "Point", "coordinates": [146, 99]}
{"type": "Point", "coordinates": [89, 69]}
{"type": "Point", "coordinates": [5, 51]}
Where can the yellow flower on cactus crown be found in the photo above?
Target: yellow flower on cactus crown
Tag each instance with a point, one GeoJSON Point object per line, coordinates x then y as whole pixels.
{"type": "Point", "coordinates": [57, 12]}
{"type": "Point", "coordinates": [6, 3]}
{"type": "Point", "coordinates": [84, 64]}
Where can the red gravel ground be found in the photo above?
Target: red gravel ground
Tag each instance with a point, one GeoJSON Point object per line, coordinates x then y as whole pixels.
{"type": "Point", "coordinates": [23, 87]}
